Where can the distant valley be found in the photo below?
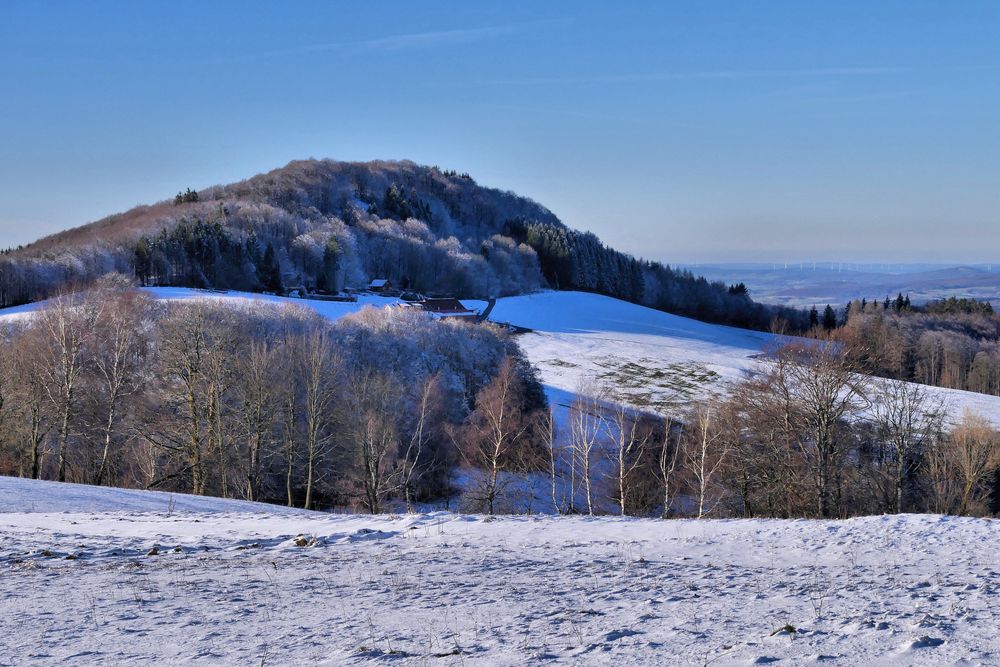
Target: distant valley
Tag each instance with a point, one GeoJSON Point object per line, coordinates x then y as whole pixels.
{"type": "Point", "coordinates": [805, 284]}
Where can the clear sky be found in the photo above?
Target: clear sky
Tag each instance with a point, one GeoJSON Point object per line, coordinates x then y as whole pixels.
{"type": "Point", "coordinates": [680, 131]}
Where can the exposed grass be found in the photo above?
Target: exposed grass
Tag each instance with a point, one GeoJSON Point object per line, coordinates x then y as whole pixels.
{"type": "Point", "coordinates": [647, 384]}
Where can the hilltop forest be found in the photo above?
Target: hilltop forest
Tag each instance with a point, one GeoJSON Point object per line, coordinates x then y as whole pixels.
{"type": "Point", "coordinates": [326, 225]}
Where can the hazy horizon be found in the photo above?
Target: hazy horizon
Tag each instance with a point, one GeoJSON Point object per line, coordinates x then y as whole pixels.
{"type": "Point", "coordinates": [676, 131]}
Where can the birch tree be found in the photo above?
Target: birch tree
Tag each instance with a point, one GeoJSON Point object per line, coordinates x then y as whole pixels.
{"type": "Point", "coordinates": [257, 389]}
{"type": "Point", "coordinates": [705, 452]}
{"type": "Point", "coordinates": [587, 428]}
{"type": "Point", "coordinates": [119, 354]}
{"type": "Point", "coordinates": [320, 370]}
{"type": "Point", "coordinates": [628, 445]}
{"type": "Point", "coordinates": [668, 456]}
{"type": "Point", "coordinates": [411, 460]}
{"type": "Point", "coordinates": [64, 322]}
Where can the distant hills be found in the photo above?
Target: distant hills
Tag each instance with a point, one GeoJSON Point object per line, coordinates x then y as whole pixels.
{"type": "Point", "coordinates": [806, 284]}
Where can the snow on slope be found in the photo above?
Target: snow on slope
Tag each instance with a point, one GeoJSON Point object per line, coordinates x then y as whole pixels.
{"type": "Point", "coordinates": [330, 309]}
{"type": "Point", "coordinates": [26, 495]}
{"type": "Point", "coordinates": [235, 588]}
{"type": "Point", "coordinates": [657, 358]}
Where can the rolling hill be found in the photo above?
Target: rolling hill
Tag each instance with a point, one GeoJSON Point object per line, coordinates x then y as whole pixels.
{"type": "Point", "coordinates": [325, 225]}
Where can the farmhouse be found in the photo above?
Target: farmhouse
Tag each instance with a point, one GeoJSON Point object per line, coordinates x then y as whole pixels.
{"type": "Point", "coordinates": [380, 285]}
{"type": "Point", "coordinates": [442, 308]}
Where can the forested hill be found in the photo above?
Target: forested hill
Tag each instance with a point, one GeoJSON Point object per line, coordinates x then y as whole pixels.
{"type": "Point", "coordinates": [326, 225]}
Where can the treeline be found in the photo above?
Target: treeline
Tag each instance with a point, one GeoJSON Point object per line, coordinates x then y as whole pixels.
{"type": "Point", "coordinates": [388, 408]}
{"type": "Point", "coordinates": [806, 435]}
{"type": "Point", "coordinates": [953, 343]}
{"type": "Point", "coordinates": [260, 402]}
{"type": "Point", "coordinates": [575, 260]}
{"type": "Point", "coordinates": [325, 225]}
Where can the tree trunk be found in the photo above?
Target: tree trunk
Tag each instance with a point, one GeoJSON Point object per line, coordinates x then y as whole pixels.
{"type": "Point", "coordinates": [108, 429]}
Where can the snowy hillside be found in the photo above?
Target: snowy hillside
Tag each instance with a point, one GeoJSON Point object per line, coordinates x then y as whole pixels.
{"type": "Point", "coordinates": [655, 358]}
{"type": "Point", "coordinates": [170, 585]}
{"type": "Point", "coordinates": [27, 495]}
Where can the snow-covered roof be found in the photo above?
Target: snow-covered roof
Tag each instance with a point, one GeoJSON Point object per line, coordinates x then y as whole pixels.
{"type": "Point", "coordinates": [445, 306]}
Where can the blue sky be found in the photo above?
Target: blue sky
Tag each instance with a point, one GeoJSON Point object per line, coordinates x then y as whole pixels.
{"type": "Point", "coordinates": [680, 131]}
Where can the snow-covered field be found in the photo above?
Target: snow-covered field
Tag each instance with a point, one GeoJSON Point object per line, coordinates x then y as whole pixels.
{"type": "Point", "coordinates": [229, 583]}
{"type": "Point", "coordinates": [654, 358]}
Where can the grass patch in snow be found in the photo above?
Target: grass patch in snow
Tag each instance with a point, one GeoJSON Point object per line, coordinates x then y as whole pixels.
{"type": "Point", "coordinates": [646, 384]}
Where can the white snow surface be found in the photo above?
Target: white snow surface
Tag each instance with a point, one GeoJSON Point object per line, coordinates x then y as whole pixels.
{"type": "Point", "coordinates": [229, 584]}
{"type": "Point", "coordinates": [672, 360]}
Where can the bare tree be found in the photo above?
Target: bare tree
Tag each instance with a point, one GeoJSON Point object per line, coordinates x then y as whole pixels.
{"type": "Point", "coordinates": [587, 428]}
{"type": "Point", "coordinates": [7, 391]}
{"type": "Point", "coordinates": [119, 348]}
{"type": "Point", "coordinates": [943, 477]}
{"type": "Point", "coordinates": [627, 448]}
{"type": "Point", "coordinates": [823, 383]}
{"type": "Point", "coordinates": [975, 451]}
{"type": "Point", "coordinates": [321, 367]}
{"type": "Point", "coordinates": [705, 451]}
{"type": "Point", "coordinates": [666, 465]}
{"type": "Point", "coordinates": [184, 347]}
{"type": "Point", "coordinates": [549, 424]}
{"type": "Point", "coordinates": [257, 389]}
{"type": "Point", "coordinates": [411, 461]}
{"type": "Point", "coordinates": [495, 432]}
{"type": "Point", "coordinates": [65, 322]}
{"type": "Point", "coordinates": [769, 465]}
{"type": "Point", "coordinates": [219, 375]}
{"type": "Point", "coordinates": [290, 444]}
{"type": "Point", "coordinates": [376, 436]}
{"type": "Point", "coordinates": [27, 407]}
{"type": "Point", "coordinates": [906, 418]}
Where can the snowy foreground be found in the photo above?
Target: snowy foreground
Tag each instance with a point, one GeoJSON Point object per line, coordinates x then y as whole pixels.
{"type": "Point", "coordinates": [174, 579]}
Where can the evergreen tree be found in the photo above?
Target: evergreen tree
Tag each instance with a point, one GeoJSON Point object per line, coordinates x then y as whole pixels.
{"type": "Point", "coordinates": [269, 271]}
{"type": "Point", "coordinates": [326, 281]}
{"type": "Point", "coordinates": [186, 197]}
{"type": "Point", "coordinates": [142, 261]}
{"type": "Point", "coordinates": [829, 318]}
{"type": "Point", "coordinates": [813, 318]}
{"type": "Point", "coordinates": [253, 249]}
